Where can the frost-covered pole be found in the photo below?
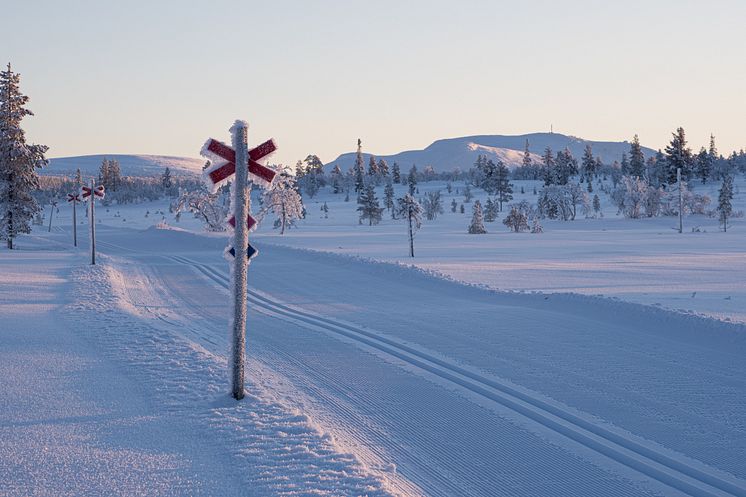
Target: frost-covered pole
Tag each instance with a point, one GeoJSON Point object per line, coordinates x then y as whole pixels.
{"type": "Point", "coordinates": [75, 224]}
{"type": "Point", "coordinates": [240, 262]}
{"type": "Point", "coordinates": [92, 222]}
{"type": "Point", "coordinates": [51, 213]}
{"type": "Point", "coordinates": [681, 201]}
{"type": "Point", "coordinates": [411, 234]}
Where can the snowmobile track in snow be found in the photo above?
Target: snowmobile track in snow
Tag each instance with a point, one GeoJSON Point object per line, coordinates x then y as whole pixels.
{"type": "Point", "coordinates": [624, 449]}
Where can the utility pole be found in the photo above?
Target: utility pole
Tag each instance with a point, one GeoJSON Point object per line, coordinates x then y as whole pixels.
{"type": "Point", "coordinates": [240, 262]}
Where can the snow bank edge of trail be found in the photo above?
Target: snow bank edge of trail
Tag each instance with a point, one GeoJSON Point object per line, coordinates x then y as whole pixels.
{"type": "Point", "coordinates": [275, 449]}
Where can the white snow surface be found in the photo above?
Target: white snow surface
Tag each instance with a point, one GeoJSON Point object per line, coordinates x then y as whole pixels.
{"type": "Point", "coordinates": [371, 377]}
{"type": "Point", "coordinates": [131, 165]}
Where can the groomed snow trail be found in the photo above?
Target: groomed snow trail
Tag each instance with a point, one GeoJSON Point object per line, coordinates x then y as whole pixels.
{"type": "Point", "coordinates": [469, 392]}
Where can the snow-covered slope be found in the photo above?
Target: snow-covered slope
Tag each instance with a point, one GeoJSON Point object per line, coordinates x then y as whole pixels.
{"type": "Point", "coordinates": [132, 165]}
{"type": "Point", "coordinates": [448, 154]}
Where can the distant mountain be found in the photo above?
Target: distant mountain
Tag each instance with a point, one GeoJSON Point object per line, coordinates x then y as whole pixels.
{"type": "Point", "coordinates": [448, 154]}
{"type": "Point", "coordinates": [131, 165]}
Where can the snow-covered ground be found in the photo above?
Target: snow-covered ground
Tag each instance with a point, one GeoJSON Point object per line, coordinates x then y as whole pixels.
{"type": "Point", "coordinates": [374, 378]}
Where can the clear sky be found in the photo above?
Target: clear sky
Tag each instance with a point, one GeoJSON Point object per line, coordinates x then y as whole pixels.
{"type": "Point", "coordinates": [159, 77]}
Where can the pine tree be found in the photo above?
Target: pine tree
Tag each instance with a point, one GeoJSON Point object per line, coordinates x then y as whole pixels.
{"type": "Point", "coordinates": [526, 162]}
{"type": "Point", "coordinates": [678, 155]}
{"type": "Point", "coordinates": [388, 201]}
{"type": "Point", "coordinates": [78, 179]}
{"type": "Point", "coordinates": [166, 182]}
{"type": "Point", "coordinates": [396, 173]}
{"type": "Point", "coordinates": [725, 207]}
{"type": "Point", "coordinates": [369, 207]}
{"type": "Point", "coordinates": [373, 168]}
{"type": "Point", "coordinates": [490, 211]}
{"type": "Point", "coordinates": [596, 204]}
{"type": "Point", "coordinates": [410, 210]}
{"type": "Point", "coordinates": [115, 175]}
{"type": "Point", "coordinates": [477, 221]}
{"type": "Point", "coordinates": [588, 163]}
{"type": "Point", "coordinates": [383, 168]}
{"type": "Point", "coordinates": [454, 205]}
{"type": "Point", "coordinates": [18, 161]}
{"type": "Point", "coordinates": [504, 186]}
{"type": "Point", "coordinates": [637, 159]}
{"type": "Point", "coordinates": [624, 166]}
{"type": "Point", "coordinates": [704, 165]}
{"type": "Point", "coordinates": [548, 171]}
{"type": "Point", "coordinates": [432, 205]}
{"type": "Point", "coordinates": [412, 180]}
{"type": "Point", "coordinates": [337, 179]}
{"type": "Point", "coordinates": [467, 194]}
{"type": "Point", "coordinates": [359, 169]}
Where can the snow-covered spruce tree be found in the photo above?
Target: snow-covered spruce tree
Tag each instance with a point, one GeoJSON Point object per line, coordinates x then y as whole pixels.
{"type": "Point", "coordinates": [337, 179]}
{"type": "Point", "coordinates": [636, 159]}
{"type": "Point", "coordinates": [411, 210]}
{"type": "Point", "coordinates": [504, 186]}
{"type": "Point", "coordinates": [536, 227]}
{"type": "Point", "coordinates": [704, 164]}
{"type": "Point", "coordinates": [396, 173]}
{"type": "Point", "coordinates": [491, 210]}
{"type": "Point", "coordinates": [283, 199]}
{"type": "Point", "coordinates": [467, 194]}
{"type": "Point", "coordinates": [678, 155]}
{"type": "Point", "coordinates": [368, 207]}
{"type": "Point", "coordinates": [359, 169]}
{"type": "Point", "coordinates": [454, 205]}
{"type": "Point", "coordinates": [549, 166]}
{"type": "Point", "coordinates": [516, 221]}
{"type": "Point", "coordinates": [597, 206]}
{"type": "Point", "coordinates": [588, 164]}
{"type": "Point", "coordinates": [477, 220]}
{"type": "Point", "coordinates": [412, 180]}
{"type": "Point", "coordinates": [388, 199]}
{"type": "Point", "coordinates": [383, 169]}
{"type": "Point", "coordinates": [725, 209]}
{"type": "Point", "coordinates": [433, 205]}
{"type": "Point", "coordinates": [166, 181]}
{"type": "Point", "coordinates": [18, 161]}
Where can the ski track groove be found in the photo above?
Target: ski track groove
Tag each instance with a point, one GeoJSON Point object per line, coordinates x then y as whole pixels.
{"type": "Point", "coordinates": [626, 451]}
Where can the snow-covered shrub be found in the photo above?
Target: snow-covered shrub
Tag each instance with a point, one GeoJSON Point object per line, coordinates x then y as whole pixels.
{"type": "Point", "coordinates": [516, 221]}
{"type": "Point", "coordinates": [210, 207]}
{"type": "Point", "coordinates": [561, 201]}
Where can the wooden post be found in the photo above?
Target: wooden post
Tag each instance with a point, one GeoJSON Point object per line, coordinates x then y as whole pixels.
{"type": "Point", "coordinates": [240, 263]}
{"type": "Point", "coordinates": [51, 213]}
{"type": "Point", "coordinates": [92, 222]}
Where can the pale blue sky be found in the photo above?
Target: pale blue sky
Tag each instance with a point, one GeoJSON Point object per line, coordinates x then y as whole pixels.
{"type": "Point", "coordinates": [159, 77]}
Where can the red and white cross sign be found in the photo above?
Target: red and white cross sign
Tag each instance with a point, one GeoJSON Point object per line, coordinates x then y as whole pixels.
{"type": "Point", "coordinates": [73, 198]}
{"type": "Point", "coordinates": [98, 192]}
{"type": "Point", "coordinates": [221, 151]}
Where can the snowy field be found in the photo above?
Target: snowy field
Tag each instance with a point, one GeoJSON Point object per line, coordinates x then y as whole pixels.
{"type": "Point", "coordinates": [370, 378]}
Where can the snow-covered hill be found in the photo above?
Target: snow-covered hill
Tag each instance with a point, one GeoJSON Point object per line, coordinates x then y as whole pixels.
{"type": "Point", "coordinates": [132, 165]}
{"type": "Point", "coordinates": [448, 154]}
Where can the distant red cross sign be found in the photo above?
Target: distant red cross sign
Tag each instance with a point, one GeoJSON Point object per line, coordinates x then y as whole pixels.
{"type": "Point", "coordinates": [223, 151]}
{"type": "Point", "coordinates": [73, 198]}
{"type": "Point", "coordinates": [98, 191]}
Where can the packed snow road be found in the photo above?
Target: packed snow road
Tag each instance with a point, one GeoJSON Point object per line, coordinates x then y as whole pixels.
{"type": "Point", "coordinates": [446, 389]}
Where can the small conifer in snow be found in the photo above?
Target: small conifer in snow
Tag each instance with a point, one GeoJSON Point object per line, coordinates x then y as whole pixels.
{"type": "Point", "coordinates": [724, 201]}
{"type": "Point", "coordinates": [411, 210]}
{"type": "Point", "coordinates": [368, 207]}
{"type": "Point", "coordinates": [477, 220]}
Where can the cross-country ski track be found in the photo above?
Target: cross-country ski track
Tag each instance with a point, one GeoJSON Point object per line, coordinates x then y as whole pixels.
{"type": "Point", "coordinates": [437, 420]}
